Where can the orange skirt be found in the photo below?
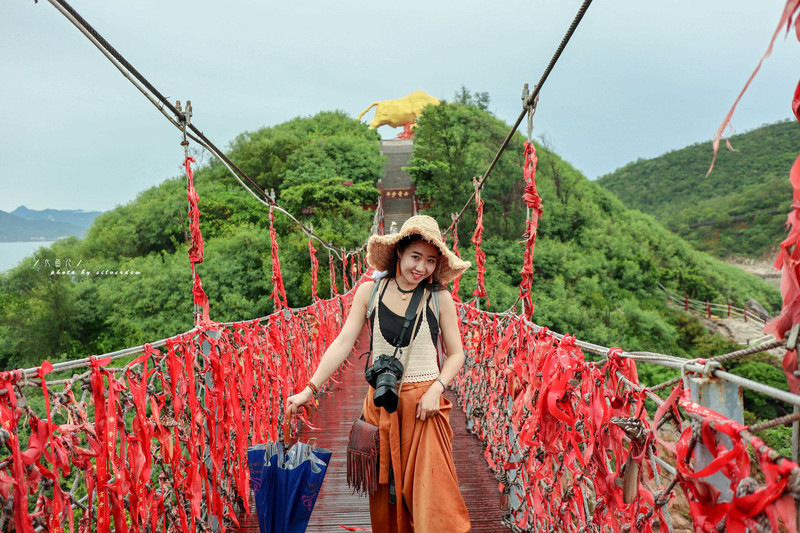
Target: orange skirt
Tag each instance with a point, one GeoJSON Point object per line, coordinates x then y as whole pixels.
{"type": "Point", "coordinates": [420, 454]}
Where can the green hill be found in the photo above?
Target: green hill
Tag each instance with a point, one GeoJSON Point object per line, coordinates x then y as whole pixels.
{"type": "Point", "coordinates": [597, 263]}
{"type": "Point", "coordinates": [739, 210]}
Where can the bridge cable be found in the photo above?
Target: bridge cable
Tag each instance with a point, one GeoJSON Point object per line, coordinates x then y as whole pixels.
{"type": "Point", "coordinates": [530, 101]}
{"type": "Point", "coordinates": [160, 102]}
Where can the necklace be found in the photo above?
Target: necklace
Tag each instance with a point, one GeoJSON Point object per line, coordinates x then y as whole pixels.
{"type": "Point", "coordinates": [403, 292]}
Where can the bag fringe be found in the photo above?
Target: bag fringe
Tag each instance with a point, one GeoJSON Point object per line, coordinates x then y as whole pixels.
{"type": "Point", "coordinates": [362, 472]}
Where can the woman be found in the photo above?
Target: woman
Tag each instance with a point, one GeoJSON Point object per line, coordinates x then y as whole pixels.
{"type": "Point", "coordinates": [416, 458]}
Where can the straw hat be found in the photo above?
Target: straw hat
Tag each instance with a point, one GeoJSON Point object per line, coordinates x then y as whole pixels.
{"type": "Point", "coordinates": [381, 252]}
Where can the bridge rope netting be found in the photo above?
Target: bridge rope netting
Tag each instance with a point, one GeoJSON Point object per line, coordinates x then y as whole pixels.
{"type": "Point", "coordinates": [160, 443]}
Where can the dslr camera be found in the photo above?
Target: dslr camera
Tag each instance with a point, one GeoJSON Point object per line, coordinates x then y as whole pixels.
{"type": "Point", "coordinates": [383, 376]}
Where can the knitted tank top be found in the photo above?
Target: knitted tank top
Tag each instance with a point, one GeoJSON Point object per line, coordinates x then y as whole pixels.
{"type": "Point", "coordinates": [420, 364]}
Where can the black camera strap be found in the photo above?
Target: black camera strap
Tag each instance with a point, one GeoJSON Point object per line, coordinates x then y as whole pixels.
{"type": "Point", "coordinates": [411, 313]}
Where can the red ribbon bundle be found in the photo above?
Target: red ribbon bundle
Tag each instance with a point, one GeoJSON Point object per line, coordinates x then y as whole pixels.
{"type": "Point", "coordinates": [334, 290]}
{"type": "Point", "coordinates": [534, 203]}
{"type": "Point", "coordinates": [457, 281]}
{"type": "Point", "coordinates": [545, 414]}
{"type": "Point", "coordinates": [559, 428]}
{"type": "Point", "coordinates": [345, 283]}
{"type": "Point", "coordinates": [196, 250]}
{"type": "Point", "coordinates": [480, 256]}
{"type": "Point", "coordinates": [312, 252]}
{"type": "Point", "coordinates": [18, 480]}
{"type": "Point", "coordinates": [278, 291]}
{"type": "Point", "coordinates": [734, 463]}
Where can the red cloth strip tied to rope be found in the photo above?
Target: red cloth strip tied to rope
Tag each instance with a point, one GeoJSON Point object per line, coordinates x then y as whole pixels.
{"type": "Point", "coordinates": [534, 203]}
{"type": "Point", "coordinates": [332, 269]}
{"type": "Point", "coordinates": [480, 256]}
{"type": "Point", "coordinates": [457, 281]}
{"type": "Point", "coordinates": [312, 252]}
{"type": "Point", "coordinates": [18, 481]}
{"type": "Point", "coordinates": [345, 283]}
{"type": "Point", "coordinates": [278, 291]}
{"type": "Point", "coordinates": [730, 459]}
{"type": "Point", "coordinates": [789, 11]}
{"type": "Point", "coordinates": [557, 428]}
{"type": "Point", "coordinates": [196, 250]}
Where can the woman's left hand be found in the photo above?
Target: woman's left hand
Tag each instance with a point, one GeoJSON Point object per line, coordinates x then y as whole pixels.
{"type": "Point", "coordinates": [429, 403]}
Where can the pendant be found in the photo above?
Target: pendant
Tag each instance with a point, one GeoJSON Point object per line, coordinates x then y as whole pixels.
{"type": "Point", "coordinates": [403, 296]}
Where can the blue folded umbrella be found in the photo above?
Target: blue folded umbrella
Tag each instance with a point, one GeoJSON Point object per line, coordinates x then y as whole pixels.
{"type": "Point", "coordinates": [286, 484]}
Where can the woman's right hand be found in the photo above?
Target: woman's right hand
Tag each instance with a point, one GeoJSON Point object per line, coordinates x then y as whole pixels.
{"type": "Point", "coordinates": [304, 398]}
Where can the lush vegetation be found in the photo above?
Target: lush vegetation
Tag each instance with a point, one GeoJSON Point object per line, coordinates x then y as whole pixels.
{"type": "Point", "coordinates": [597, 263]}
{"type": "Point", "coordinates": [738, 210]}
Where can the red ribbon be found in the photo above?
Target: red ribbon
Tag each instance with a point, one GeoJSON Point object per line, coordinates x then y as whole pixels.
{"type": "Point", "coordinates": [139, 444]}
{"type": "Point", "coordinates": [312, 252]}
{"type": "Point", "coordinates": [457, 281]}
{"type": "Point", "coordinates": [9, 419]}
{"type": "Point", "coordinates": [98, 394]}
{"type": "Point", "coordinates": [785, 21]}
{"type": "Point", "coordinates": [480, 256]}
{"type": "Point", "coordinates": [534, 203]}
{"type": "Point", "coordinates": [345, 283]}
{"type": "Point", "coordinates": [278, 292]}
{"type": "Point", "coordinates": [196, 250]}
{"type": "Point", "coordinates": [334, 291]}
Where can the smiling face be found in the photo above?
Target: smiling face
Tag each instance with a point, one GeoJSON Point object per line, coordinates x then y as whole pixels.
{"type": "Point", "coordinates": [417, 263]}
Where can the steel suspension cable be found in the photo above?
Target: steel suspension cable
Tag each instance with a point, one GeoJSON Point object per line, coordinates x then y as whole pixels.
{"type": "Point", "coordinates": [179, 119]}
{"type": "Point", "coordinates": [530, 101]}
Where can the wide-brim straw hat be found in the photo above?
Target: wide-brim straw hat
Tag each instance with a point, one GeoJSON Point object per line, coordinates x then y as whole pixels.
{"type": "Point", "coordinates": [381, 252]}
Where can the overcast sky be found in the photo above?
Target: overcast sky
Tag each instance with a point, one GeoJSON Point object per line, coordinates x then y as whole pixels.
{"type": "Point", "coordinates": [639, 78]}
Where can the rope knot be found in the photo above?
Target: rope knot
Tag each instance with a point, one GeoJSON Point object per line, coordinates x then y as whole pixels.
{"type": "Point", "coordinates": [633, 427]}
{"type": "Point", "coordinates": [615, 353]}
{"type": "Point", "coordinates": [709, 367]}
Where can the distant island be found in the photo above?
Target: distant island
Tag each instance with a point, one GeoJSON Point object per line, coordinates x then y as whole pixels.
{"type": "Point", "coordinates": [24, 225]}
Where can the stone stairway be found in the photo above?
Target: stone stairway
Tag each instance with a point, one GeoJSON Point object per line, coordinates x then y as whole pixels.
{"type": "Point", "coordinates": [397, 192]}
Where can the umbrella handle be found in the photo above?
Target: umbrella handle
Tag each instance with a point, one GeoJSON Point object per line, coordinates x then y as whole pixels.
{"type": "Point", "coordinates": [287, 423]}
{"type": "Point", "coordinates": [287, 428]}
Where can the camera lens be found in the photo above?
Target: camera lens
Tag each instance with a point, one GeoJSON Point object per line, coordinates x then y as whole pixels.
{"type": "Point", "coordinates": [386, 392]}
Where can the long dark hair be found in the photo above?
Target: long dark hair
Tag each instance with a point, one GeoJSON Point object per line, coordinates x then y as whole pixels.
{"type": "Point", "coordinates": [401, 246]}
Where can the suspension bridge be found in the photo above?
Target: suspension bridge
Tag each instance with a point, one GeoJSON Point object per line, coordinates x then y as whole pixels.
{"type": "Point", "coordinates": [560, 438]}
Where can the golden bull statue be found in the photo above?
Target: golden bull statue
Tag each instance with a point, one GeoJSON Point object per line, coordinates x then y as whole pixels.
{"type": "Point", "coordinates": [401, 111]}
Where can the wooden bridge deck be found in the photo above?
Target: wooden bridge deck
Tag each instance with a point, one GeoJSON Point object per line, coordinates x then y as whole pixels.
{"type": "Point", "coordinates": [337, 506]}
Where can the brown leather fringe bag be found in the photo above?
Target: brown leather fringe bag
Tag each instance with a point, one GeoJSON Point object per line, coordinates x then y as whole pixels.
{"type": "Point", "coordinates": [362, 457]}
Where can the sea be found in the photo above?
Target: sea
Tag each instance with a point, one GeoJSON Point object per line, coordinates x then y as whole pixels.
{"type": "Point", "coordinates": [11, 253]}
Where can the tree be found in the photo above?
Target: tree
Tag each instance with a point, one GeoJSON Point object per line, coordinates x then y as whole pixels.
{"type": "Point", "coordinates": [465, 97]}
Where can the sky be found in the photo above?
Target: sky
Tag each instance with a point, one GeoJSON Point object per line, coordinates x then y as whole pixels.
{"type": "Point", "coordinates": [638, 79]}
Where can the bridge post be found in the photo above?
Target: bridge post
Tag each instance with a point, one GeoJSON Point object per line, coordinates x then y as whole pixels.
{"type": "Point", "coordinates": [726, 399]}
